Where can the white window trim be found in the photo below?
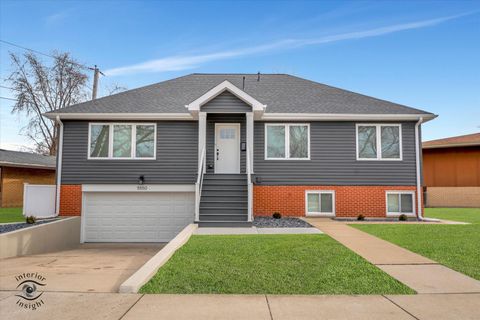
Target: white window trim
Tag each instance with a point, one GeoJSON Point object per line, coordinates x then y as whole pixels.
{"type": "Point", "coordinates": [133, 141]}
{"type": "Point", "coordinates": [287, 140]}
{"type": "Point", "coordinates": [378, 127]}
{"type": "Point", "coordinates": [320, 214]}
{"type": "Point", "coordinates": [396, 214]}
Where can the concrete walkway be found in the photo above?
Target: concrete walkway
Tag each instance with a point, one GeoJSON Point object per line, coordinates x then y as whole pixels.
{"type": "Point", "coordinates": [68, 305]}
{"type": "Point", "coordinates": [419, 273]}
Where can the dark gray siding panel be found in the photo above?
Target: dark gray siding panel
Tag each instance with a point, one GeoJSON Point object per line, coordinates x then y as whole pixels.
{"type": "Point", "coordinates": [224, 118]}
{"type": "Point", "coordinates": [333, 160]}
{"type": "Point", "coordinates": [226, 102]}
{"type": "Point", "coordinates": [176, 163]}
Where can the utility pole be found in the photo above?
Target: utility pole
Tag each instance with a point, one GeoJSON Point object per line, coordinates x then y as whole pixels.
{"type": "Point", "coordinates": [96, 73]}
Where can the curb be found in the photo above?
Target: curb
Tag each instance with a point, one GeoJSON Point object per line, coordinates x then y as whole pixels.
{"type": "Point", "coordinates": [150, 268]}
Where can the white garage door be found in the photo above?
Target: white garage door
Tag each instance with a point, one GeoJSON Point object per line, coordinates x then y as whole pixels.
{"type": "Point", "coordinates": [136, 217]}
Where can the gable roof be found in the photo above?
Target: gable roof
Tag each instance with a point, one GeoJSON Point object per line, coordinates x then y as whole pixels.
{"type": "Point", "coordinates": [282, 93]}
{"type": "Point", "coordinates": [458, 141]}
{"type": "Point", "coordinates": [10, 158]}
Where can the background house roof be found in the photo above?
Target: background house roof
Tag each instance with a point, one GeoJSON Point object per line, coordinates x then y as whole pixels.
{"type": "Point", "coordinates": [10, 158]}
{"type": "Point", "coordinates": [281, 93]}
{"type": "Point", "coordinates": [459, 141]}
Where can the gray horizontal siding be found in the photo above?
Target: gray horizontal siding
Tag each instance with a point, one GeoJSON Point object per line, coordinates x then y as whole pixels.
{"type": "Point", "coordinates": [333, 160]}
{"type": "Point", "coordinates": [223, 118]}
{"type": "Point", "coordinates": [226, 102]}
{"type": "Point", "coordinates": [176, 162]}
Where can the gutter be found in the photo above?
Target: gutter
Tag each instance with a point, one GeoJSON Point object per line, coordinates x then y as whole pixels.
{"type": "Point", "coordinates": [419, 180]}
{"type": "Point", "coordinates": [59, 165]}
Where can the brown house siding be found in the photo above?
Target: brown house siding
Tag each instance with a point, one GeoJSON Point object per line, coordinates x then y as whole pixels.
{"type": "Point", "coordinates": [12, 180]}
{"type": "Point", "coordinates": [452, 176]}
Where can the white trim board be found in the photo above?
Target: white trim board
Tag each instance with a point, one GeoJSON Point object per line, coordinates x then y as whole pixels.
{"type": "Point", "coordinates": [344, 117]}
{"type": "Point", "coordinates": [220, 88]}
{"type": "Point", "coordinates": [138, 188]}
{"type": "Point", "coordinates": [120, 116]}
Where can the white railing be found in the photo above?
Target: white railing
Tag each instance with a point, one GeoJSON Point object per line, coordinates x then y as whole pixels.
{"type": "Point", "coordinates": [199, 184]}
{"type": "Point", "coordinates": [250, 187]}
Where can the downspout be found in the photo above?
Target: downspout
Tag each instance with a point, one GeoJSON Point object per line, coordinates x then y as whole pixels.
{"type": "Point", "coordinates": [59, 165]}
{"type": "Point", "coordinates": [419, 178]}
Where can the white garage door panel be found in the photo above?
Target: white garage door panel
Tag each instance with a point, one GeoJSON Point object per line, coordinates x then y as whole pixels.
{"type": "Point", "coordinates": [136, 217]}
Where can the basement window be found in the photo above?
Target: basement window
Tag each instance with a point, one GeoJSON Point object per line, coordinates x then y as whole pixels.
{"type": "Point", "coordinates": [319, 203]}
{"type": "Point", "coordinates": [400, 202]}
{"type": "Point", "coordinates": [122, 141]}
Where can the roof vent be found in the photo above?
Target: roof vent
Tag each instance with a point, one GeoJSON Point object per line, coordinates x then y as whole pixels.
{"type": "Point", "coordinates": [258, 76]}
{"type": "Point", "coordinates": [243, 84]}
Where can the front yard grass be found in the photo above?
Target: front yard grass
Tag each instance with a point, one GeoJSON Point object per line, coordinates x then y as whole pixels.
{"type": "Point", "coordinates": [11, 215]}
{"type": "Point", "coordinates": [455, 246]}
{"type": "Point", "coordinates": [270, 264]}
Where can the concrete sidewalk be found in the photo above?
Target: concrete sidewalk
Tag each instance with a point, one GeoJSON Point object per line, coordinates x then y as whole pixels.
{"type": "Point", "coordinates": [419, 273]}
{"type": "Point", "coordinates": [63, 305]}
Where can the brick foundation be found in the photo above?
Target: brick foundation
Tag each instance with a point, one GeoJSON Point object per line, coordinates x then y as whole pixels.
{"type": "Point", "coordinates": [70, 200]}
{"type": "Point", "coordinates": [350, 201]}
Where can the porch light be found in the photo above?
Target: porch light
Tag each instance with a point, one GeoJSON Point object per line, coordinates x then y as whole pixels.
{"type": "Point", "coordinates": [141, 179]}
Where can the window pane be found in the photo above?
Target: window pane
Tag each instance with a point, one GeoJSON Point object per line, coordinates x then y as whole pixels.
{"type": "Point", "coordinates": [298, 141]}
{"type": "Point", "coordinates": [390, 142]}
{"type": "Point", "coordinates": [99, 136]}
{"type": "Point", "coordinates": [392, 200]}
{"type": "Point", "coordinates": [122, 141]}
{"type": "Point", "coordinates": [367, 142]}
{"type": "Point", "coordinates": [145, 141]}
{"type": "Point", "coordinates": [326, 202]}
{"type": "Point", "coordinates": [313, 202]}
{"type": "Point", "coordinates": [275, 141]}
{"type": "Point", "coordinates": [407, 203]}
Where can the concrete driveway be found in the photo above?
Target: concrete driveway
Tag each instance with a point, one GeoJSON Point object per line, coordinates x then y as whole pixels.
{"type": "Point", "coordinates": [88, 268]}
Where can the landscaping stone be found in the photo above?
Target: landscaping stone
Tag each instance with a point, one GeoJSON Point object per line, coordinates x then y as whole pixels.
{"type": "Point", "coordinates": [8, 227]}
{"type": "Point", "coordinates": [267, 222]}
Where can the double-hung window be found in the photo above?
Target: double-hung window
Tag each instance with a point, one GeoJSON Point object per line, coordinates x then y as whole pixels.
{"type": "Point", "coordinates": [319, 203]}
{"type": "Point", "coordinates": [379, 142]}
{"type": "Point", "coordinates": [400, 202]}
{"type": "Point", "coordinates": [122, 141]}
{"type": "Point", "coordinates": [287, 141]}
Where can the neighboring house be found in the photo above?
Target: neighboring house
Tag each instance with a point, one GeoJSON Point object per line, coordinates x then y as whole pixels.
{"type": "Point", "coordinates": [18, 168]}
{"type": "Point", "coordinates": [220, 148]}
{"type": "Point", "coordinates": [451, 169]}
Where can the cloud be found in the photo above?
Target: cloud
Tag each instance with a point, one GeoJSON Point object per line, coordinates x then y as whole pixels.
{"type": "Point", "coordinates": [177, 63]}
{"type": "Point", "coordinates": [56, 18]}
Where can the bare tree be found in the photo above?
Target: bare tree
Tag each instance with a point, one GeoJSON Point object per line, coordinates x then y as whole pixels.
{"type": "Point", "coordinates": [115, 88]}
{"type": "Point", "coordinates": [39, 88]}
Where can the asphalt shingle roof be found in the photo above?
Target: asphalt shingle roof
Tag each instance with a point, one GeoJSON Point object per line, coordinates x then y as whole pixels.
{"type": "Point", "coordinates": [26, 159]}
{"type": "Point", "coordinates": [281, 93]}
{"type": "Point", "coordinates": [458, 141]}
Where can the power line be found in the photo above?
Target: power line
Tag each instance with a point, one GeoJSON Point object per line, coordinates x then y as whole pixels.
{"type": "Point", "coordinates": [42, 53]}
{"type": "Point", "coordinates": [8, 98]}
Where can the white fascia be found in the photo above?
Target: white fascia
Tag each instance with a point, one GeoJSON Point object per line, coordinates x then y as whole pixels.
{"type": "Point", "coordinates": [194, 106]}
{"type": "Point", "coordinates": [120, 116]}
{"type": "Point", "coordinates": [344, 117]}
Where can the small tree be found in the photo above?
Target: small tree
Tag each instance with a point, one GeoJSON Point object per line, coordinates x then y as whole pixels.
{"type": "Point", "coordinates": [39, 88]}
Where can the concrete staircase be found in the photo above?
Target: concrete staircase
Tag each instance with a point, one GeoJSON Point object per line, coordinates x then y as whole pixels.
{"type": "Point", "coordinates": [224, 201]}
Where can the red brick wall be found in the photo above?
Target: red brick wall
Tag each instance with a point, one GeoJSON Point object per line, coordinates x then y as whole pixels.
{"type": "Point", "coordinates": [70, 200]}
{"type": "Point", "coordinates": [350, 201]}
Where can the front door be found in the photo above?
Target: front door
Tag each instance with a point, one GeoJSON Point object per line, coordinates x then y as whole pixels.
{"type": "Point", "coordinates": [227, 148]}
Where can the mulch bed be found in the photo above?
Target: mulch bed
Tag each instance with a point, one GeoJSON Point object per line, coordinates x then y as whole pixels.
{"type": "Point", "coordinates": [268, 222]}
{"type": "Point", "coordinates": [4, 228]}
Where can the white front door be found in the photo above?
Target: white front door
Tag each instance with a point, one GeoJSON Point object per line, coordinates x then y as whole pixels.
{"type": "Point", "coordinates": [227, 148]}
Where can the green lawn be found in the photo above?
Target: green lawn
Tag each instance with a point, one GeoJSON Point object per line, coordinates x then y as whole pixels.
{"type": "Point", "coordinates": [273, 264]}
{"type": "Point", "coordinates": [455, 246]}
{"type": "Point", "coordinates": [11, 215]}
